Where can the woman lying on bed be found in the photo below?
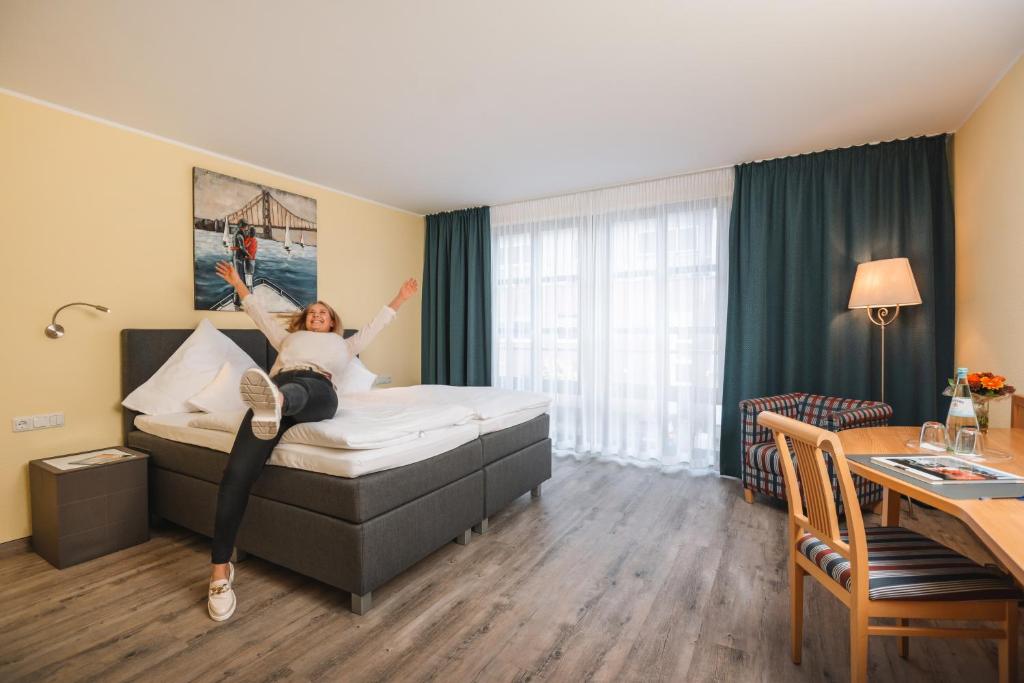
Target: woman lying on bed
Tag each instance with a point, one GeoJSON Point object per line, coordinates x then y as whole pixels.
{"type": "Point", "coordinates": [311, 354]}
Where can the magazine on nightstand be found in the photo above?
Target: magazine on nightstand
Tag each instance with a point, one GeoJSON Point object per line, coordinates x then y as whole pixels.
{"type": "Point", "coordinates": [100, 457]}
{"type": "Point", "coordinates": [947, 469]}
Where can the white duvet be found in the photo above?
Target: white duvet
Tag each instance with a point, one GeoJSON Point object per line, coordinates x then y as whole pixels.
{"type": "Point", "coordinates": [484, 402]}
{"type": "Point", "coordinates": [386, 417]}
{"type": "Point", "coordinates": [334, 461]}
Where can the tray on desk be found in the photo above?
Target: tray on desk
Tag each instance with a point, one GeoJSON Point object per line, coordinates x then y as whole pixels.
{"type": "Point", "coordinates": [959, 491]}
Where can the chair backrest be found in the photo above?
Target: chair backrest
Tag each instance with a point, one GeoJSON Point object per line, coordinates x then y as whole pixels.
{"type": "Point", "coordinates": [814, 510]}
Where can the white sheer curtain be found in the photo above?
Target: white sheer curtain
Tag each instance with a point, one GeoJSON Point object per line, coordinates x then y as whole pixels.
{"type": "Point", "coordinates": [613, 302]}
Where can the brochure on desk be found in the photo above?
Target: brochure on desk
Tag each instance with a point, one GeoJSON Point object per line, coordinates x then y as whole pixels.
{"type": "Point", "coordinates": [947, 469]}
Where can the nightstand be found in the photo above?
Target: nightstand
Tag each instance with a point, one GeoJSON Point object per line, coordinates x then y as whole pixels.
{"type": "Point", "coordinates": [87, 511]}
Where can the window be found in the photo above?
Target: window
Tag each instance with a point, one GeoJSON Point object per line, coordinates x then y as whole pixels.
{"type": "Point", "coordinates": [613, 302]}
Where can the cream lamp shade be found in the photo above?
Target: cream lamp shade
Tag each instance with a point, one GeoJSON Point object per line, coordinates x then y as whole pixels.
{"type": "Point", "coordinates": [884, 283]}
{"type": "Point", "coordinates": [880, 286]}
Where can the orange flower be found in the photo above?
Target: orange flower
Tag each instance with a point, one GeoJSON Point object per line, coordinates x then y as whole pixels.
{"type": "Point", "coordinates": [974, 378]}
{"type": "Point", "coordinates": [993, 383]}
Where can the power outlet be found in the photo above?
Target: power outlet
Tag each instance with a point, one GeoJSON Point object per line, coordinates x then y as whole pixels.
{"type": "Point", "coordinates": [31, 422]}
{"type": "Point", "coordinates": [382, 379]}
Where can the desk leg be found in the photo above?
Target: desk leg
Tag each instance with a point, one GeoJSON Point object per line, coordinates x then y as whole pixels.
{"type": "Point", "coordinates": [890, 508]}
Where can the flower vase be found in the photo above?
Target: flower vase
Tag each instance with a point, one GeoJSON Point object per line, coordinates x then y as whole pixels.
{"type": "Point", "coordinates": [981, 411]}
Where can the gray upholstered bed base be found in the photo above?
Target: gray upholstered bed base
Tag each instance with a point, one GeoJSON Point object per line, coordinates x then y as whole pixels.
{"type": "Point", "coordinates": [515, 460]}
{"type": "Point", "coordinates": [353, 557]}
{"type": "Point", "coordinates": [354, 534]}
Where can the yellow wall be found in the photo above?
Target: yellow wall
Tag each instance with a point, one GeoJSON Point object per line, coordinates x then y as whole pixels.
{"type": "Point", "coordinates": [989, 195]}
{"type": "Point", "coordinates": [92, 212]}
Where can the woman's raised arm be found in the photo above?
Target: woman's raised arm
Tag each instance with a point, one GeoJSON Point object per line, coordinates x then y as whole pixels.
{"type": "Point", "coordinates": [361, 339]}
{"type": "Point", "coordinates": [270, 326]}
{"type": "Point", "coordinates": [227, 272]}
{"type": "Point", "coordinates": [408, 288]}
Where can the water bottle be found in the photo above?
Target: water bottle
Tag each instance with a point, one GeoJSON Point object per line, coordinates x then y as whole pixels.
{"type": "Point", "coordinates": [961, 408]}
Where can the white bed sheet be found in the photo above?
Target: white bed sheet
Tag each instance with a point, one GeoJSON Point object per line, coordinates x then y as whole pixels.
{"type": "Point", "coordinates": [484, 403]}
{"type": "Point", "coordinates": [387, 417]}
{"type": "Point", "coordinates": [334, 461]}
{"type": "Point", "coordinates": [358, 424]}
{"type": "Point", "coordinates": [495, 424]}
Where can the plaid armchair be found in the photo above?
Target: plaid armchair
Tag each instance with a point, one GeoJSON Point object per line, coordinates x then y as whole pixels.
{"type": "Point", "coordinates": [761, 472]}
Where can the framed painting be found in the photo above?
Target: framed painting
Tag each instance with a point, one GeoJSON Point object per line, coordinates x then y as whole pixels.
{"type": "Point", "coordinates": [269, 235]}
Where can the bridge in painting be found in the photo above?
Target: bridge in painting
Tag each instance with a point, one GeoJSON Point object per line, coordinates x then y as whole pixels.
{"type": "Point", "coordinates": [272, 220]}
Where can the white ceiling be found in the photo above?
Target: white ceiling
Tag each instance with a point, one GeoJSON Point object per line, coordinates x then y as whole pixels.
{"type": "Point", "coordinates": [443, 104]}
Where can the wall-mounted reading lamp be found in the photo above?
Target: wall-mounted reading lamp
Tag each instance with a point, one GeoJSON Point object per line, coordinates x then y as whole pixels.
{"type": "Point", "coordinates": [56, 331]}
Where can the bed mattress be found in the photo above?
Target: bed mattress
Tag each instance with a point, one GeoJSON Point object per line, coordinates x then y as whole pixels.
{"type": "Point", "coordinates": [333, 461]}
{"type": "Point", "coordinates": [499, 444]}
{"type": "Point", "coordinates": [496, 424]}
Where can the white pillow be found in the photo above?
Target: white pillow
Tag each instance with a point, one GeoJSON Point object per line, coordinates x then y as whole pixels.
{"type": "Point", "coordinates": [356, 378]}
{"type": "Point", "coordinates": [194, 365]}
{"type": "Point", "coordinates": [222, 393]}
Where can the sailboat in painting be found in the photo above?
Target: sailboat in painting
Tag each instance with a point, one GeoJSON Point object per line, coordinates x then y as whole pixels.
{"type": "Point", "coordinates": [287, 239]}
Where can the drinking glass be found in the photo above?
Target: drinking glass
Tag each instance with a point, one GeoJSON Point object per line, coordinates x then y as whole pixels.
{"type": "Point", "coordinates": [933, 437]}
{"type": "Point", "coordinates": [971, 445]}
{"type": "Point", "coordinates": [968, 442]}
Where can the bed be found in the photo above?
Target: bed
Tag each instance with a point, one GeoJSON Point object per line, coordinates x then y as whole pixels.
{"type": "Point", "coordinates": [352, 532]}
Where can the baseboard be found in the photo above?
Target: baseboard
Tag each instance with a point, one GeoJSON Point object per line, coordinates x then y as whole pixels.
{"type": "Point", "coordinates": [16, 546]}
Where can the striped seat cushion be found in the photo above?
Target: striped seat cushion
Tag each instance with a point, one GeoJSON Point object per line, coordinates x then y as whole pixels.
{"type": "Point", "coordinates": [764, 457]}
{"type": "Point", "coordinates": [903, 565]}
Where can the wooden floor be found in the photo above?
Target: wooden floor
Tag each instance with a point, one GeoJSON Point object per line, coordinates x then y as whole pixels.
{"type": "Point", "coordinates": [615, 574]}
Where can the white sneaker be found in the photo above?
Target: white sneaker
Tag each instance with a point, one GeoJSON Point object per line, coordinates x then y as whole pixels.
{"type": "Point", "coordinates": [261, 394]}
{"type": "Point", "coordinates": [221, 602]}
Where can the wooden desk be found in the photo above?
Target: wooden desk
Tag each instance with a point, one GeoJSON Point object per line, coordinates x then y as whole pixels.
{"type": "Point", "coordinates": [999, 524]}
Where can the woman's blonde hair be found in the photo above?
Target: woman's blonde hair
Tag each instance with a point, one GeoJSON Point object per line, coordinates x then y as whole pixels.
{"type": "Point", "coordinates": [297, 322]}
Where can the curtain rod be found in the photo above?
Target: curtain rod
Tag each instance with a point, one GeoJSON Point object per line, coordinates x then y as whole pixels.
{"type": "Point", "coordinates": [614, 185]}
{"type": "Point", "coordinates": [836, 149]}
{"type": "Point", "coordinates": [708, 170]}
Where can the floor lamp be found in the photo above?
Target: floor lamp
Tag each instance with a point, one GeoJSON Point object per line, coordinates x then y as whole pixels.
{"type": "Point", "coordinates": [880, 287]}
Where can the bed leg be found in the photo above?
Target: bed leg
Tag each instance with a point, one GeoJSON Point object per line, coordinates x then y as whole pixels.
{"type": "Point", "coordinates": [535, 491]}
{"type": "Point", "coordinates": [361, 604]}
{"type": "Point", "coordinates": [465, 537]}
{"type": "Point", "coordinates": [238, 555]}
{"type": "Point", "coordinates": [481, 528]}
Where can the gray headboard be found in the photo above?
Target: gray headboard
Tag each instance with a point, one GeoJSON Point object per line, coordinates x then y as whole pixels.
{"type": "Point", "coordinates": [144, 351]}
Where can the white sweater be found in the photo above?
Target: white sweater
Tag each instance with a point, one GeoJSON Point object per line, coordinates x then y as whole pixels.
{"type": "Point", "coordinates": [324, 350]}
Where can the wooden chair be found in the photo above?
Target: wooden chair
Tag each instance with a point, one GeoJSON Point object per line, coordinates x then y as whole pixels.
{"type": "Point", "coordinates": [1017, 411]}
{"type": "Point", "coordinates": [881, 571]}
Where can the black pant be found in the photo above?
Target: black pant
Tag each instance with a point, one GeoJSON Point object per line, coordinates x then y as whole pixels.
{"type": "Point", "coordinates": [246, 268]}
{"type": "Point", "coordinates": [308, 397]}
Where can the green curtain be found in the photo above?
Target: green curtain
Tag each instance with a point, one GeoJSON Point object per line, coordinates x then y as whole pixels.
{"type": "Point", "coordinates": [457, 298]}
{"type": "Point", "coordinates": [799, 228]}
